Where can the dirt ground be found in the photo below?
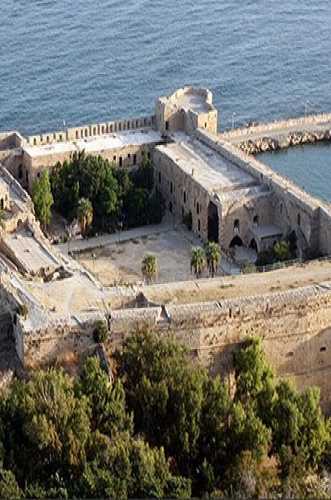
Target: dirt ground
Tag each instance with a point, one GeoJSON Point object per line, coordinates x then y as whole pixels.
{"type": "Point", "coordinates": [120, 263]}
{"type": "Point", "coordinates": [239, 286]}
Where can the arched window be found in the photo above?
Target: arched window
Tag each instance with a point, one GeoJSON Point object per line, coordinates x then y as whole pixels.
{"type": "Point", "coordinates": [236, 226]}
{"type": "Point", "coordinates": [256, 220]}
{"type": "Point", "coordinates": [281, 208]}
{"type": "Point", "coordinates": [299, 219]}
{"type": "Point", "coordinates": [121, 161]}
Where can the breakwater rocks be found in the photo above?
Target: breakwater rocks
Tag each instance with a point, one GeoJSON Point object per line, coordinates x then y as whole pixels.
{"type": "Point", "coordinates": [264, 144]}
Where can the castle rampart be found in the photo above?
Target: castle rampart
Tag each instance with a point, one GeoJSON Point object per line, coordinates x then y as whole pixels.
{"type": "Point", "coordinates": [294, 326]}
{"type": "Point", "coordinates": [91, 130]}
{"type": "Point", "coordinates": [233, 199]}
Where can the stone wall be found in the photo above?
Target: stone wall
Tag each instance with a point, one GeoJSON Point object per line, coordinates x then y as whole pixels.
{"type": "Point", "coordinates": [173, 114]}
{"type": "Point", "coordinates": [92, 130]}
{"type": "Point", "coordinates": [183, 193]}
{"type": "Point", "coordinates": [294, 208]}
{"type": "Point", "coordinates": [294, 326]}
{"type": "Point", "coordinates": [125, 156]}
{"type": "Point", "coordinates": [277, 126]}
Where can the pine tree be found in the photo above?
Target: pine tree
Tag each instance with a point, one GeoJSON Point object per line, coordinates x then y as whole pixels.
{"type": "Point", "coordinates": [43, 199]}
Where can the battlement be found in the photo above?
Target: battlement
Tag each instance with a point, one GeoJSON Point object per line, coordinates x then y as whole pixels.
{"type": "Point", "coordinates": [92, 130]}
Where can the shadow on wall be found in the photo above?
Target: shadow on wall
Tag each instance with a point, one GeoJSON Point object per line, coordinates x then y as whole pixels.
{"type": "Point", "coordinates": [308, 364]}
{"type": "Point", "coordinates": [66, 350]}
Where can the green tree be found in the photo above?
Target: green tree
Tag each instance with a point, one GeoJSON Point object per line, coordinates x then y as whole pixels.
{"type": "Point", "coordinates": [298, 426]}
{"type": "Point", "coordinates": [127, 467]}
{"type": "Point", "coordinates": [46, 429]}
{"type": "Point", "coordinates": [198, 261]}
{"type": "Point", "coordinates": [213, 257]}
{"type": "Point", "coordinates": [143, 176]}
{"type": "Point", "coordinates": [149, 267]}
{"type": "Point", "coordinates": [100, 332]}
{"type": "Point", "coordinates": [8, 485]}
{"type": "Point", "coordinates": [254, 377]}
{"type": "Point", "coordinates": [106, 400]}
{"type": "Point", "coordinates": [42, 198]}
{"type": "Point", "coordinates": [115, 194]}
{"type": "Point", "coordinates": [84, 214]}
{"type": "Point", "coordinates": [282, 250]}
{"type": "Point", "coordinates": [165, 394]}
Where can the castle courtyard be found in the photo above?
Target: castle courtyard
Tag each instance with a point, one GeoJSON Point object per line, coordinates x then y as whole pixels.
{"type": "Point", "coordinates": [120, 261]}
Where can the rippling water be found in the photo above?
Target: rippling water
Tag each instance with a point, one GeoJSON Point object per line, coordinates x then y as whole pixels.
{"type": "Point", "coordinates": [84, 61]}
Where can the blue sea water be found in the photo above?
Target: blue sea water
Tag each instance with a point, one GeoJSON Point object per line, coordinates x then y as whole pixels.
{"type": "Point", "coordinates": [309, 166]}
{"type": "Point", "coordinates": [85, 61]}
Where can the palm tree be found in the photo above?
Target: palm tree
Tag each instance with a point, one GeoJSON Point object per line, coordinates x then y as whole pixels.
{"type": "Point", "coordinates": [198, 261]}
{"type": "Point", "coordinates": [149, 267]}
{"type": "Point", "coordinates": [84, 214]}
{"type": "Point", "coordinates": [213, 256]}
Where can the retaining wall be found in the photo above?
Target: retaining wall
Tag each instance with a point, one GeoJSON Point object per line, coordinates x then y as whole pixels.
{"type": "Point", "coordinates": [294, 326]}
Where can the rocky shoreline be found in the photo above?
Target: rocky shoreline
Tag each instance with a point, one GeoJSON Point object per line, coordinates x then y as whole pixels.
{"type": "Point", "coordinates": [264, 144]}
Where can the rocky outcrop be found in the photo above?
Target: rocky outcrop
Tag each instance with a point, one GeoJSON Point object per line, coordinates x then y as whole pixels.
{"type": "Point", "coordinates": [264, 144]}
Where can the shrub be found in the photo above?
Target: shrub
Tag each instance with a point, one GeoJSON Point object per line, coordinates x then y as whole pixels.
{"type": "Point", "coordinates": [100, 332]}
{"type": "Point", "coordinates": [23, 310]}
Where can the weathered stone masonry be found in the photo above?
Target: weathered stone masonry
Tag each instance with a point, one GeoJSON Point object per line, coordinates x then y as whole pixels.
{"type": "Point", "coordinates": [232, 197]}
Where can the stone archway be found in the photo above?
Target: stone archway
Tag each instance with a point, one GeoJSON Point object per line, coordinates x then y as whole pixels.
{"type": "Point", "coordinates": [213, 223]}
{"type": "Point", "coordinates": [253, 245]}
{"type": "Point", "coordinates": [236, 242]}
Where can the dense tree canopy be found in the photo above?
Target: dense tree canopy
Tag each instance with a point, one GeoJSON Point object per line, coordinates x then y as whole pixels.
{"type": "Point", "coordinates": [116, 195]}
{"type": "Point", "coordinates": [163, 428]}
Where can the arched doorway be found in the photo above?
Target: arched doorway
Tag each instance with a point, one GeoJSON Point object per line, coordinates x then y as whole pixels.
{"type": "Point", "coordinates": [236, 242]}
{"type": "Point", "coordinates": [253, 245]}
{"type": "Point", "coordinates": [213, 223]}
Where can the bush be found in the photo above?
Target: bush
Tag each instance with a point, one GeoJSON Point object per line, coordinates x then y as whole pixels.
{"type": "Point", "coordinates": [100, 332]}
{"type": "Point", "coordinates": [249, 268]}
{"type": "Point", "coordinates": [23, 310]}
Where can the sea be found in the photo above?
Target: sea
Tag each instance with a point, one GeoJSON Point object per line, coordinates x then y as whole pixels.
{"type": "Point", "coordinates": [69, 62]}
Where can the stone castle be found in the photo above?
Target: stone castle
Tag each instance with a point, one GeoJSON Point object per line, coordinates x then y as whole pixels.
{"type": "Point", "coordinates": [50, 303]}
